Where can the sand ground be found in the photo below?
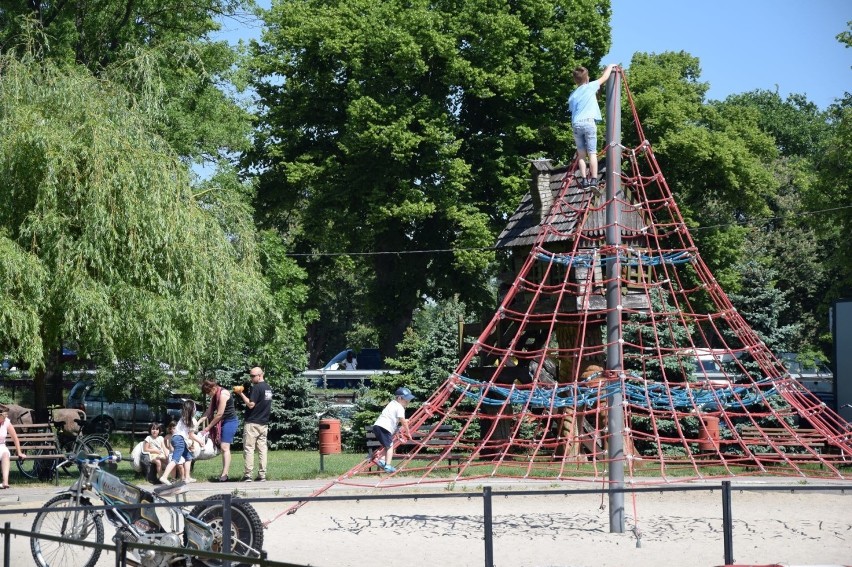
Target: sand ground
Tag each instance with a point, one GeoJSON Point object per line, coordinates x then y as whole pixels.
{"type": "Point", "coordinates": [788, 527]}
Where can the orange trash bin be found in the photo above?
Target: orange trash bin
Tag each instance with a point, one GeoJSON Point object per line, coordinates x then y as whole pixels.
{"type": "Point", "coordinates": [329, 436]}
{"type": "Point", "coordinates": [710, 442]}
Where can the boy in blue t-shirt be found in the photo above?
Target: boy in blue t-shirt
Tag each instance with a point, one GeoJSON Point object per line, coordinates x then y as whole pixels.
{"type": "Point", "coordinates": [585, 114]}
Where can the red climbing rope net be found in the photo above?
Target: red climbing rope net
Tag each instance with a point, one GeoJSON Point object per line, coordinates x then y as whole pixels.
{"type": "Point", "coordinates": [702, 396]}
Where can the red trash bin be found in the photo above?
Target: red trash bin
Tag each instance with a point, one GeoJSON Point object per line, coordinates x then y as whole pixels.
{"type": "Point", "coordinates": [329, 436]}
{"type": "Point", "coordinates": [710, 441]}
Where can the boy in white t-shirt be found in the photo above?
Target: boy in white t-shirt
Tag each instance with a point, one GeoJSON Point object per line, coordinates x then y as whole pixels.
{"type": "Point", "coordinates": [387, 424]}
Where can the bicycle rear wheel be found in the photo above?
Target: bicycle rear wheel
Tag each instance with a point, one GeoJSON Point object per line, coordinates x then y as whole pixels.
{"type": "Point", "coordinates": [34, 467]}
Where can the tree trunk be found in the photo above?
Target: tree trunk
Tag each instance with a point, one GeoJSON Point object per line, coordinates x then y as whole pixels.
{"type": "Point", "coordinates": [47, 386]}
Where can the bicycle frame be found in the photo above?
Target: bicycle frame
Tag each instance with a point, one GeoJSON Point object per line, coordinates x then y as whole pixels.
{"type": "Point", "coordinates": [113, 492]}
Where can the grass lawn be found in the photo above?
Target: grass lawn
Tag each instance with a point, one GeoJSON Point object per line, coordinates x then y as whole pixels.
{"type": "Point", "coordinates": [282, 465]}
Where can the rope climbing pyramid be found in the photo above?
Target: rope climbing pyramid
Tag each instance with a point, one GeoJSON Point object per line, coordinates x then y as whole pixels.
{"type": "Point", "coordinates": [614, 347]}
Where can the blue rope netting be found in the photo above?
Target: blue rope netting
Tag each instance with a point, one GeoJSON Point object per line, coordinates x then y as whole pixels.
{"type": "Point", "coordinates": [635, 259]}
{"type": "Point", "coordinates": [653, 396]}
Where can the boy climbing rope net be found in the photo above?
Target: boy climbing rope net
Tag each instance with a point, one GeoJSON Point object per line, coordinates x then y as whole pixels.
{"type": "Point", "coordinates": [585, 114]}
{"type": "Point", "coordinates": [388, 422]}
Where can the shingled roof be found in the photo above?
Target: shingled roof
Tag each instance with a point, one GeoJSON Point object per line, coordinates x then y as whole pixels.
{"type": "Point", "coordinates": [524, 225]}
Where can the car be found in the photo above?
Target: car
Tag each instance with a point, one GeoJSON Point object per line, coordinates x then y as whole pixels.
{"type": "Point", "coordinates": [812, 374]}
{"type": "Point", "coordinates": [106, 416]}
{"type": "Point", "coordinates": [343, 412]}
{"type": "Point", "coordinates": [368, 359]}
{"type": "Point", "coordinates": [708, 366]}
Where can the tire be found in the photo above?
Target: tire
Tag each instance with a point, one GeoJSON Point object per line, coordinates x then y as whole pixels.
{"type": "Point", "coordinates": [34, 468]}
{"type": "Point", "coordinates": [77, 526]}
{"type": "Point", "coordinates": [246, 529]}
{"type": "Point", "coordinates": [102, 425]}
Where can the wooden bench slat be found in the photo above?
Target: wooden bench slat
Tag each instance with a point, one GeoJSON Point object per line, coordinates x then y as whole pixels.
{"type": "Point", "coordinates": [38, 437]}
{"type": "Point", "coordinates": [436, 438]}
{"type": "Point", "coordinates": [781, 436]}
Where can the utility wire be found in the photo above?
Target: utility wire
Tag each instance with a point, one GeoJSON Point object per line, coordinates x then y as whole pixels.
{"type": "Point", "coordinates": [763, 221]}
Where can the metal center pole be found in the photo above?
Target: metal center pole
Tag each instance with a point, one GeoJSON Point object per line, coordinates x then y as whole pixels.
{"type": "Point", "coordinates": [614, 363]}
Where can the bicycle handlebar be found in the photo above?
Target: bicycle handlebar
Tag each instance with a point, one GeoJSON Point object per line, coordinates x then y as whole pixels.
{"type": "Point", "coordinates": [91, 459]}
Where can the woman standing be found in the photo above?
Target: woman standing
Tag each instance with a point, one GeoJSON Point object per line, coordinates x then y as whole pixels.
{"type": "Point", "coordinates": [221, 421]}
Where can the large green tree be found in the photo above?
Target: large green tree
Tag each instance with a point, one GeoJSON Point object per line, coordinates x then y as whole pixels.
{"type": "Point", "coordinates": [716, 162]}
{"type": "Point", "coordinates": [835, 173]}
{"type": "Point", "coordinates": [389, 127]}
{"type": "Point", "coordinates": [107, 249]}
{"type": "Point", "coordinates": [752, 169]}
{"type": "Point", "coordinates": [792, 242]}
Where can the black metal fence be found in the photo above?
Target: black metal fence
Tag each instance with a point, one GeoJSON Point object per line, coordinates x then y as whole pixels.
{"type": "Point", "coordinates": [121, 548]}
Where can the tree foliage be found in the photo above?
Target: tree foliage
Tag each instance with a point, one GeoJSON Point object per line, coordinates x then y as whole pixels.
{"type": "Point", "coordinates": [748, 173]}
{"type": "Point", "coordinates": [129, 263]}
{"type": "Point", "coordinates": [158, 49]}
{"type": "Point", "coordinates": [396, 126]}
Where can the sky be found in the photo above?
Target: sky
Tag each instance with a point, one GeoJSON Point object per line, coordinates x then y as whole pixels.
{"type": "Point", "coordinates": [742, 45]}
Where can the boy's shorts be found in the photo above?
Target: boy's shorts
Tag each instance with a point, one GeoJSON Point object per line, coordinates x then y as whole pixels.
{"type": "Point", "coordinates": [586, 136]}
{"type": "Point", "coordinates": [384, 436]}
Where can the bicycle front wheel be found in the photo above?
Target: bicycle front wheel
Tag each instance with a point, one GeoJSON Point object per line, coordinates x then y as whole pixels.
{"type": "Point", "coordinates": [75, 526]}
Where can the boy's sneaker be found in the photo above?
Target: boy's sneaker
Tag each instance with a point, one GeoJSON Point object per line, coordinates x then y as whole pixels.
{"type": "Point", "coordinates": [247, 479]}
{"type": "Point", "coordinates": [389, 468]}
{"type": "Point", "coordinates": [594, 186]}
{"type": "Point", "coordinates": [381, 463]}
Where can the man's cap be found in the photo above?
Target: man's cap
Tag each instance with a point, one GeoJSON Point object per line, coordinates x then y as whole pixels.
{"type": "Point", "coordinates": [405, 393]}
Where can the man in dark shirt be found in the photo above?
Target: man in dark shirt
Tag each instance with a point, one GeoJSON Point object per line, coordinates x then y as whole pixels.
{"type": "Point", "coordinates": [258, 408]}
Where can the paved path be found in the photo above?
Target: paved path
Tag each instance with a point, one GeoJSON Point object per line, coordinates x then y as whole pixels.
{"type": "Point", "coordinates": [683, 529]}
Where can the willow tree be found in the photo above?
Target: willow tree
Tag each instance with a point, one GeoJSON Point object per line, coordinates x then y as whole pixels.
{"type": "Point", "coordinates": [105, 248]}
{"type": "Point", "coordinates": [199, 119]}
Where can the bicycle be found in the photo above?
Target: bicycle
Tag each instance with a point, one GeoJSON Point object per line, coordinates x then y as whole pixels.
{"type": "Point", "coordinates": [178, 532]}
{"type": "Point", "coordinates": [81, 443]}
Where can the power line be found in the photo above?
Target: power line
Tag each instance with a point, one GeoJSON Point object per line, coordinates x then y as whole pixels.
{"type": "Point", "coordinates": [766, 220]}
{"type": "Point", "coordinates": [753, 222]}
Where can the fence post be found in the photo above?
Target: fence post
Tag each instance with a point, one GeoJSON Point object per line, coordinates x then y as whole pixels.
{"type": "Point", "coordinates": [226, 527]}
{"type": "Point", "coordinates": [727, 522]}
{"type": "Point", "coordinates": [7, 544]}
{"type": "Point", "coordinates": [487, 524]}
